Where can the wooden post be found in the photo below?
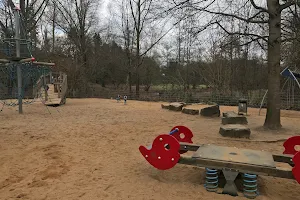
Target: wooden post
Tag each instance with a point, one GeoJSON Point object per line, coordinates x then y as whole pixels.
{"type": "Point", "coordinates": [45, 88]}
{"type": "Point", "coordinates": [58, 88]}
{"type": "Point", "coordinates": [60, 84]}
{"type": "Point", "coordinates": [51, 80]}
{"type": "Point", "coordinates": [65, 86]}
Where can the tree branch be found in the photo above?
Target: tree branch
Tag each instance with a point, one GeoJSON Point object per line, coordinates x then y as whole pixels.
{"type": "Point", "coordinates": [249, 42]}
{"type": "Point", "coordinates": [177, 5]}
{"type": "Point", "coordinates": [249, 20]}
{"type": "Point", "coordinates": [287, 4]}
{"type": "Point", "coordinates": [205, 27]}
{"type": "Point", "coordinates": [38, 19]}
{"type": "Point", "coordinates": [258, 7]}
{"type": "Point", "coordinates": [290, 39]}
{"type": "Point", "coordinates": [244, 34]}
{"type": "Point", "coordinates": [132, 13]}
{"type": "Point", "coordinates": [39, 8]}
{"type": "Point", "coordinates": [159, 39]}
{"type": "Point", "coordinates": [5, 30]}
{"type": "Point", "coordinates": [11, 4]}
{"type": "Point", "coordinates": [69, 16]}
{"type": "Point", "coordinates": [145, 16]}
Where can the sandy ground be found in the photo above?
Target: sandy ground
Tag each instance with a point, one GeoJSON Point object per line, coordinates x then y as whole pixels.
{"type": "Point", "coordinates": [88, 149]}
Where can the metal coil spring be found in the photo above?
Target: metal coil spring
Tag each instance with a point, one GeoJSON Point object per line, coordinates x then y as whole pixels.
{"type": "Point", "coordinates": [250, 186]}
{"type": "Point", "coordinates": [212, 180]}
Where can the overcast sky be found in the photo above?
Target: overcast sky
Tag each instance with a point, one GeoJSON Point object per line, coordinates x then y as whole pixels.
{"type": "Point", "coordinates": [103, 11]}
{"type": "Point", "coordinates": [104, 16]}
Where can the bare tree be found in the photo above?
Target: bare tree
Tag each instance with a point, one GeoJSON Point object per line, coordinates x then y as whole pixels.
{"type": "Point", "coordinates": [6, 21]}
{"type": "Point", "coordinates": [269, 15]}
{"type": "Point", "coordinates": [128, 37]}
{"type": "Point", "coordinates": [75, 18]}
{"type": "Point", "coordinates": [140, 11]}
{"type": "Point", "coordinates": [53, 25]}
{"type": "Point", "coordinates": [31, 12]}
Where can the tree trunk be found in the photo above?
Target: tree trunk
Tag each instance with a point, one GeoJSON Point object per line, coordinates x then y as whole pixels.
{"type": "Point", "coordinates": [272, 120]}
{"type": "Point", "coordinates": [53, 28]}
{"type": "Point", "coordinates": [194, 86]}
{"type": "Point", "coordinates": [138, 56]}
{"type": "Point", "coordinates": [231, 76]}
{"type": "Point", "coordinates": [22, 7]}
{"type": "Point", "coordinates": [130, 82]}
{"type": "Point", "coordinates": [137, 89]}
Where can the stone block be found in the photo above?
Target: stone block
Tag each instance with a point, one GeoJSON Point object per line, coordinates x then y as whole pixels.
{"type": "Point", "coordinates": [233, 118]}
{"type": "Point", "coordinates": [165, 106]}
{"type": "Point", "coordinates": [176, 106]}
{"type": "Point", "coordinates": [235, 131]}
{"type": "Point", "coordinates": [212, 111]}
{"type": "Point", "coordinates": [190, 111]}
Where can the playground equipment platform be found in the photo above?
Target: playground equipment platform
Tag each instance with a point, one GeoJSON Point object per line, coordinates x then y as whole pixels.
{"type": "Point", "coordinates": [53, 90]}
{"type": "Point", "coordinates": [52, 96]}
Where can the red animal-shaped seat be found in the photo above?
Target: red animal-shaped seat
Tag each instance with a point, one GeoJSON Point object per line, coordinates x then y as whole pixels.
{"type": "Point", "coordinates": [164, 153]}
{"type": "Point", "coordinates": [296, 169]}
{"type": "Point", "coordinates": [290, 145]}
{"type": "Point", "coordinates": [290, 148]}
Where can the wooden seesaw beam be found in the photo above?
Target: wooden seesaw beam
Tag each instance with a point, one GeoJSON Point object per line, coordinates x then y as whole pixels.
{"type": "Point", "coordinates": [240, 167]}
{"type": "Point", "coordinates": [277, 158]}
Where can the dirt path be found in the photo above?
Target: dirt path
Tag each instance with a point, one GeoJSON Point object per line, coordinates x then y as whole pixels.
{"type": "Point", "coordinates": [88, 149]}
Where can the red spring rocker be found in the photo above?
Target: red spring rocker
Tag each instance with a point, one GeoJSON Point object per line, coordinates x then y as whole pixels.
{"type": "Point", "coordinates": [290, 145]}
{"type": "Point", "coordinates": [296, 169]}
{"type": "Point", "coordinates": [290, 148]}
{"type": "Point", "coordinates": [164, 153]}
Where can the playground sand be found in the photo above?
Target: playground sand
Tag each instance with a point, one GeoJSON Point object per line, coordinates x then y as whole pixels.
{"type": "Point", "coordinates": [88, 149]}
